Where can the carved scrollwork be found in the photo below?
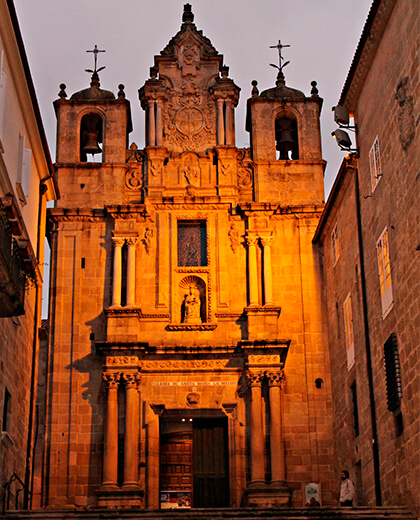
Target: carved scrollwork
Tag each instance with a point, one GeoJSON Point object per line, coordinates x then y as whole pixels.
{"type": "Point", "coordinates": [134, 179]}
{"type": "Point", "coordinates": [203, 364]}
{"type": "Point", "coordinates": [147, 239]}
{"type": "Point", "coordinates": [121, 361]}
{"type": "Point", "coordinates": [193, 400]}
{"type": "Point", "coordinates": [234, 238]}
{"type": "Point", "coordinates": [263, 359]}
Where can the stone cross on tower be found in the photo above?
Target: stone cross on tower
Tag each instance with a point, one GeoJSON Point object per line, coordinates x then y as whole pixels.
{"type": "Point", "coordinates": [95, 51]}
{"type": "Point", "coordinates": [280, 66]}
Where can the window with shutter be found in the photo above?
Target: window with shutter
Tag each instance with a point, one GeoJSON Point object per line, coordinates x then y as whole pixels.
{"type": "Point", "coordinates": [348, 327]}
{"type": "Point", "coordinates": [24, 170]}
{"type": "Point", "coordinates": [384, 268]}
{"type": "Point", "coordinates": [335, 245]}
{"type": "Point", "coordinates": [392, 373]}
{"type": "Point", "coordinates": [375, 164]}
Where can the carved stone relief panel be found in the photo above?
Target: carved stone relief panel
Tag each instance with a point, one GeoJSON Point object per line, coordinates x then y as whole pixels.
{"type": "Point", "coordinates": [189, 118]}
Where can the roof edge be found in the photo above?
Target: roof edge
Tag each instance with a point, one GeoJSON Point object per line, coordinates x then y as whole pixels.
{"type": "Point", "coordinates": [32, 93]}
{"type": "Point", "coordinates": [348, 161]}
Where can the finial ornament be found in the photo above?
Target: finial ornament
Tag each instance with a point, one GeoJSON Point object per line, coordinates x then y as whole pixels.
{"type": "Point", "coordinates": [281, 65]}
{"type": "Point", "coordinates": [95, 51]}
{"type": "Point", "coordinates": [187, 15]}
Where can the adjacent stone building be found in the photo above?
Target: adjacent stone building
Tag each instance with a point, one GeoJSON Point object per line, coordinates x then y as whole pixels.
{"type": "Point", "coordinates": [188, 357]}
{"type": "Point", "coordinates": [369, 235]}
{"type": "Point", "coordinates": [27, 182]}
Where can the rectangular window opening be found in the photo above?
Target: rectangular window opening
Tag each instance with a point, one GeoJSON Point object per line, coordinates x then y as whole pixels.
{"type": "Point", "coordinates": [399, 424]}
{"type": "Point", "coordinates": [192, 243]}
{"type": "Point", "coordinates": [6, 410]}
{"type": "Point", "coordinates": [353, 390]}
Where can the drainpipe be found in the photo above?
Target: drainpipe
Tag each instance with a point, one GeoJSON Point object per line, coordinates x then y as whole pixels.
{"type": "Point", "coordinates": [375, 445]}
{"type": "Point", "coordinates": [27, 496]}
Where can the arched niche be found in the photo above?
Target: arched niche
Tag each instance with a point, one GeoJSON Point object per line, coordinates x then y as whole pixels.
{"type": "Point", "coordinates": [91, 137]}
{"type": "Point", "coordinates": [193, 298]}
{"type": "Point", "coordinates": [287, 137]}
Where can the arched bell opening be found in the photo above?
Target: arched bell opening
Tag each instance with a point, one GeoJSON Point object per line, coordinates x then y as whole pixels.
{"type": "Point", "coordinates": [287, 142]}
{"type": "Point", "coordinates": [91, 136]}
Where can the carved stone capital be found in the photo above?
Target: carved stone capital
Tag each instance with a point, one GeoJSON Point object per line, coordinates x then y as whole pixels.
{"type": "Point", "coordinates": [275, 378]}
{"type": "Point", "coordinates": [131, 241]}
{"type": "Point", "coordinates": [266, 241]}
{"type": "Point", "coordinates": [254, 378]}
{"type": "Point", "coordinates": [118, 242]}
{"type": "Point", "coordinates": [131, 380]}
{"type": "Point", "coordinates": [251, 240]}
{"type": "Point", "coordinates": [111, 379]}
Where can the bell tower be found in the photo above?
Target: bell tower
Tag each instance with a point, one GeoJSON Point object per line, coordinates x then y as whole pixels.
{"type": "Point", "coordinates": [285, 141]}
{"type": "Point", "coordinates": [92, 138]}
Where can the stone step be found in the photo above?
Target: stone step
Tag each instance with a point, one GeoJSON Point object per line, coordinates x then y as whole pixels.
{"type": "Point", "coordinates": [322, 513]}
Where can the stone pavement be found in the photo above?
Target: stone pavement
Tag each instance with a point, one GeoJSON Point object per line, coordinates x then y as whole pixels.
{"type": "Point", "coordinates": [330, 513]}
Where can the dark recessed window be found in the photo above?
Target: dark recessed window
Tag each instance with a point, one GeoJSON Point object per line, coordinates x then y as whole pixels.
{"type": "Point", "coordinates": [399, 424]}
{"type": "Point", "coordinates": [192, 243]}
{"type": "Point", "coordinates": [355, 408]}
{"type": "Point", "coordinates": [6, 410]}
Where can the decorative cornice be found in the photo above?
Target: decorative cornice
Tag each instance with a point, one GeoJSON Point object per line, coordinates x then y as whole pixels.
{"type": "Point", "coordinates": [229, 315]}
{"type": "Point", "coordinates": [133, 312]}
{"type": "Point", "coordinates": [266, 309]}
{"type": "Point", "coordinates": [262, 359]}
{"type": "Point", "coordinates": [76, 215]}
{"type": "Point", "coordinates": [185, 365]}
{"type": "Point", "coordinates": [191, 327]}
{"type": "Point", "coordinates": [121, 362]}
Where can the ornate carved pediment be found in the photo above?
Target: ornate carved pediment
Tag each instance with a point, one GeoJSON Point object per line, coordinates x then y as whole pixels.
{"type": "Point", "coordinates": [179, 47]}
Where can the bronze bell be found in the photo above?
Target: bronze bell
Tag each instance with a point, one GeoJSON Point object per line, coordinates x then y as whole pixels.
{"type": "Point", "coordinates": [90, 143]}
{"type": "Point", "coordinates": [286, 141]}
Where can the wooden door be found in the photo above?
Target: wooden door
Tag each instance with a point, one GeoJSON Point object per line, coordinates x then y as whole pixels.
{"type": "Point", "coordinates": [175, 469]}
{"type": "Point", "coordinates": [210, 463]}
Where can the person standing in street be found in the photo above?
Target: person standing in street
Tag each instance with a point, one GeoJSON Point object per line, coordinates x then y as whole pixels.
{"type": "Point", "coordinates": [346, 490]}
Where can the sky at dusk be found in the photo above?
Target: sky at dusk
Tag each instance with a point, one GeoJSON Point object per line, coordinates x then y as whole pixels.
{"type": "Point", "coordinates": [323, 36]}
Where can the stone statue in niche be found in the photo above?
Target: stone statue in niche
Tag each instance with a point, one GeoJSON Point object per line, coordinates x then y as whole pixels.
{"type": "Point", "coordinates": [192, 306]}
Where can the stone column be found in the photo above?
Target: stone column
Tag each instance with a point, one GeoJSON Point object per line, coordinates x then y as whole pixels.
{"type": "Point", "coordinates": [257, 432]}
{"type": "Point", "coordinates": [252, 269]}
{"type": "Point", "coordinates": [151, 131]}
{"type": "Point", "coordinates": [131, 434]}
{"type": "Point", "coordinates": [278, 470]}
{"type": "Point", "coordinates": [230, 134]}
{"type": "Point", "coordinates": [131, 272]}
{"type": "Point", "coordinates": [268, 278]}
{"type": "Point", "coordinates": [117, 272]}
{"type": "Point", "coordinates": [159, 124]}
{"type": "Point", "coordinates": [220, 123]}
{"type": "Point", "coordinates": [110, 468]}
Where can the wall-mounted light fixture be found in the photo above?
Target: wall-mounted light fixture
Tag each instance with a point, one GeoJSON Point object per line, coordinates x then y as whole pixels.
{"type": "Point", "coordinates": [342, 118]}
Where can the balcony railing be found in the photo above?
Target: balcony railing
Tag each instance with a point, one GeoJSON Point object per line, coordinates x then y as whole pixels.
{"type": "Point", "coordinates": [12, 272]}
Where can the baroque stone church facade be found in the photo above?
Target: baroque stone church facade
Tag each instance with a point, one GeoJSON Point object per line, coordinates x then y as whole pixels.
{"type": "Point", "coordinates": [188, 354]}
